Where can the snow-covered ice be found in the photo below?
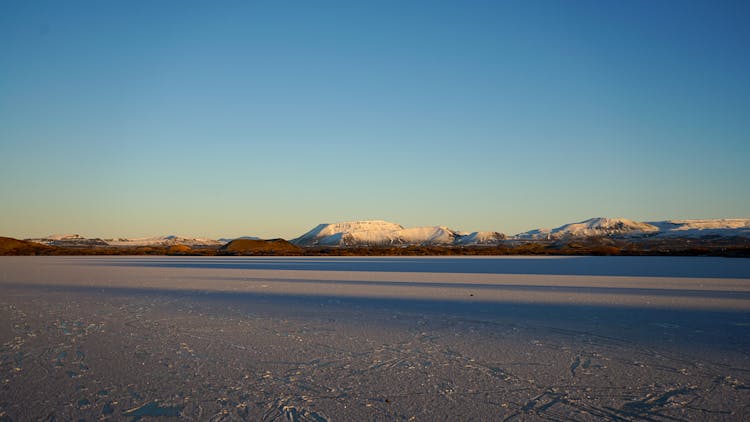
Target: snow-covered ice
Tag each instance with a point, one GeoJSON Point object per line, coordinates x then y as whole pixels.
{"type": "Point", "coordinates": [386, 338]}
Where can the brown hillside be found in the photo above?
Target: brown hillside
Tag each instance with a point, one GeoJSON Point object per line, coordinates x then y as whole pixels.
{"type": "Point", "coordinates": [10, 246]}
{"type": "Point", "coordinates": [179, 250]}
{"type": "Point", "coordinates": [259, 247]}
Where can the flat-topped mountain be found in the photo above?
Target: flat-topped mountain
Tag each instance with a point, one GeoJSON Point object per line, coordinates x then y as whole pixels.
{"type": "Point", "coordinates": [373, 233]}
{"type": "Point", "coordinates": [341, 234]}
{"type": "Point", "coordinates": [384, 233]}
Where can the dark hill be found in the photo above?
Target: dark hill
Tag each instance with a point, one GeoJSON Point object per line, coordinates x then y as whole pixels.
{"type": "Point", "coordinates": [259, 247]}
{"type": "Point", "coordinates": [10, 246]}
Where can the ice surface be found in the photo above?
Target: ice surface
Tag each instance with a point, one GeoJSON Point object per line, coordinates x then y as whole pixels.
{"type": "Point", "coordinates": [597, 338]}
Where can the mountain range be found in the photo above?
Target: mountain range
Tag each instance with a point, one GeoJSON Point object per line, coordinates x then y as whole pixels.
{"type": "Point", "coordinates": [383, 233]}
{"type": "Point", "coordinates": [75, 240]}
{"type": "Point", "coordinates": [622, 227]}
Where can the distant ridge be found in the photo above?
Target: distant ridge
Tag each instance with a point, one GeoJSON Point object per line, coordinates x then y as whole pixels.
{"type": "Point", "coordinates": [68, 240]}
{"type": "Point", "coordinates": [599, 226]}
{"type": "Point", "coordinates": [169, 240]}
{"type": "Point", "coordinates": [723, 227]}
{"type": "Point", "coordinates": [71, 240]}
{"type": "Point", "coordinates": [622, 227]}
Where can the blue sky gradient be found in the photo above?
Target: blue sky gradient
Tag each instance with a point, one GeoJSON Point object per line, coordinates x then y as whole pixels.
{"type": "Point", "coordinates": [266, 118]}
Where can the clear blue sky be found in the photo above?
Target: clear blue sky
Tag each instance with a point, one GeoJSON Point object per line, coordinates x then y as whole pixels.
{"type": "Point", "coordinates": [139, 118]}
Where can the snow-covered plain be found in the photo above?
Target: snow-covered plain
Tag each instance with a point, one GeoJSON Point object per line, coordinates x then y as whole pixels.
{"type": "Point", "coordinates": [587, 338]}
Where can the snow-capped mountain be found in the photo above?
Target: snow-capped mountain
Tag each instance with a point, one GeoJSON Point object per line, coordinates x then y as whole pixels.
{"type": "Point", "coordinates": [599, 226]}
{"type": "Point", "coordinates": [384, 233]}
{"type": "Point", "coordinates": [333, 234]}
{"type": "Point", "coordinates": [725, 227]}
{"type": "Point", "coordinates": [480, 238]}
{"type": "Point", "coordinates": [375, 233]}
{"type": "Point", "coordinates": [622, 227]}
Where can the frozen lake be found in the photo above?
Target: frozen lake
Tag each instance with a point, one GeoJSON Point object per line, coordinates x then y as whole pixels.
{"type": "Point", "coordinates": [385, 338]}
